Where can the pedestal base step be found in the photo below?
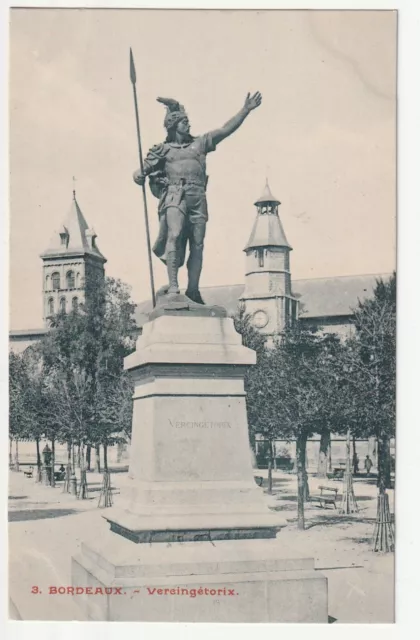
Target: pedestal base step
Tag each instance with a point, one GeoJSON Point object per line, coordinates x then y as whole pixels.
{"type": "Point", "coordinates": [192, 536]}
{"type": "Point", "coordinates": [194, 527]}
{"type": "Point", "coordinates": [228, 581]}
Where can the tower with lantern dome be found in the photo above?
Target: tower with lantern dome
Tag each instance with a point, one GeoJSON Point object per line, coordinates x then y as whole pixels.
{"type": "Point", "coordinates": [268, 295]}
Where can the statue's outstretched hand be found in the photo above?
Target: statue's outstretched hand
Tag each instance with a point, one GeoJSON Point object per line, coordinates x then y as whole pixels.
{"type": "Point", "coordinates": [252, 102]}
{"type": "Point", "coordinates": [139, 178]}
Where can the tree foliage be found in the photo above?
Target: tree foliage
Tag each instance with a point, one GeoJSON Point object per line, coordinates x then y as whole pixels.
{"type": "Point", "coordinates": [371, 359]}
{"type": "Point", "coordinates": [73, 388]}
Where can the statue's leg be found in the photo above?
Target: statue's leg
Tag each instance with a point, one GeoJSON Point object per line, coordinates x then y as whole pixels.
{"type": "Point", "coordinates": [195, 260]}
{"type": "Point", "coordinates": [176, 220]}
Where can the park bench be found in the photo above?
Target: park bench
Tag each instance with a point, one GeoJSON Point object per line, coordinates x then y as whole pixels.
{"type": "Point", "coordinates": [29, 473]}
{"type": "Point", "coordinates": [328, 495]}
{"type": "Point", "coordinates": [338, 474]}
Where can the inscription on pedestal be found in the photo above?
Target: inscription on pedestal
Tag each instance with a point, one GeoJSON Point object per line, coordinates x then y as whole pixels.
{"type": "Point", "coordinates": [198, 424]}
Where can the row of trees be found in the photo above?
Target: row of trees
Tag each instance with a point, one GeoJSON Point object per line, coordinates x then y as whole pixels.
{"type": "Point", "coordinates": [71, 387]}
{"type": "Point", "coordinates": [311, 382]}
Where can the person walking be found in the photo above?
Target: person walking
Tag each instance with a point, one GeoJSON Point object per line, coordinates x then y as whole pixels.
{"type": "Point", "coordinates": [355, 464]}
{"type": "Point", "coordinates": [368, 465]}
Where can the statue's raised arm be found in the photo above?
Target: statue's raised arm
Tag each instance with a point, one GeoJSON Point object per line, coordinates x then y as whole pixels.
{"type": "Point", "coordinates": [177, 172]}
{"type": "Point", "coordinates": [251, 103]}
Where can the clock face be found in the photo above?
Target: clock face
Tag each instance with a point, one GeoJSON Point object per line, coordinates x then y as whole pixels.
{"type": "Point", "coordinates": [260, 319]}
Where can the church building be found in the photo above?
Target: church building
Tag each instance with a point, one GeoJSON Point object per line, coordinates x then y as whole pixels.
{"type": "Point", "coordinates": [71, 260]}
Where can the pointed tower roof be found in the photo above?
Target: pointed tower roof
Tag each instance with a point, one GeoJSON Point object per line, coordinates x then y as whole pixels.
{"type": "Point", "coordinates": [79, 239]}
{"type": "Point", "coordinates": [267, 230]}
{"type": "Point", "coordinates": [266, 196]}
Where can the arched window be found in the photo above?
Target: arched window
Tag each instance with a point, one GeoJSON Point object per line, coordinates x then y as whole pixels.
{"type": "Point", "coordinates": [75, 303]}
{"type": "Point", "coordinates": [55, 280]}
{"type": "Point", "coordinates": [70, 280]}
{"type": "Point", "coordinates": [47, 283]}
{"type": "Point", "coordinates": [77, 279]}
{"type": "Point", "coordinates": [63, 305]}
{"type": "Point", "coordinates": [51, 306]}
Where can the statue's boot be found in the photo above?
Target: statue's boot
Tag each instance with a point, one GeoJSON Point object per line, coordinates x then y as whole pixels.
{"type": "Point", "coordinates": [172, 266]}
{"type": "Point", "coordinates": [194, 266]}
{"type": "Point", "coordinates": [195, 296]}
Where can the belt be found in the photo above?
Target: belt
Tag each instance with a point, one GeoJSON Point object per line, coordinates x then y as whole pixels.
{"type": "Point", "coordinates": [186, 181]}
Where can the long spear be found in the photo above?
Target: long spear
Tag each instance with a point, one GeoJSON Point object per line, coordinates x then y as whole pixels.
{"type": "Point", "coordinates": [146, 216]}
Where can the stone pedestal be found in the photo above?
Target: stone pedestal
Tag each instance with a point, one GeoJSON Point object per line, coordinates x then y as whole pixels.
{"type": "Point", "coordinates": [193, 519]}
{"type": "Point", "coordinates": [190, 472]}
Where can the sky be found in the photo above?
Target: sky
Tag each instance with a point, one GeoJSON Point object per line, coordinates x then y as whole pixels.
{"type": "Point", "coordinates": [324, 135]}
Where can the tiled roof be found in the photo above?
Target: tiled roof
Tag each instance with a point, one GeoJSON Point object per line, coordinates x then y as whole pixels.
{"type": "Point", "coordinates": [267, 232]}
{"type": "Point", "coordinates": [266, 196]}
{"type": "Point", "coordinates": [320, 297]}
{"type": "Point", "coordinates": [325, 297]}
{"type": "Point", "coordinates": [78, 232]}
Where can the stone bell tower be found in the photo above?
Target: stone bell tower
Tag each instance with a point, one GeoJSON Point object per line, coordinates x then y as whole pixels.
{"type": "Point", "coordinates": [71, 261]}
{"type": "Point", "coordinates": [268, 296]}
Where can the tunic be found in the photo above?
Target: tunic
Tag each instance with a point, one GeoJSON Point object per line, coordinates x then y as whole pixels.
{"type": "Point", "coordinates": [178, 178]}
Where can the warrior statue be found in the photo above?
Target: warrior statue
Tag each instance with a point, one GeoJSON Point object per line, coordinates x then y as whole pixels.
{"type": "Point", "coordinates": [177, 176]}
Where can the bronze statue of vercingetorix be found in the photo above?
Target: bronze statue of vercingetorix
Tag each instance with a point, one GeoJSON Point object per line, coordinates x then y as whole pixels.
{"type": "Point", "coordinates": [177, 176]}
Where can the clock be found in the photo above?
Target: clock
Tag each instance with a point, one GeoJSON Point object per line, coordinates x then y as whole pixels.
{"type": "Point", "coordinates": [260, 319]}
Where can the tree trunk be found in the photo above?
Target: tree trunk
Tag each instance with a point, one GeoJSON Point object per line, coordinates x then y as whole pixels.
{"type": "Point", "coordinates": [274, 455]}
{"type": "Point", "coordinates": [252, 442]}
{"type": "Point", "coordinates": [301, 478]}
{"type": "Point", "coordinates": [78, 455]}
{"type": "Point", "coordinates": [324, 446]}
{"type": "Point", "coordinates": [73, 458]}
{"type": "Point", "coordinates": [10, 452]}
{"type": "Point", "coordinates": [384, 465]}
{"type": "Point", "coordinates": [105, 447]}
{"type": "Point", "coordinates": [348, 461]}
{"type": "Point", "coordinates": [88, 455]}
{"type": "Point", "coordinates": [270, 466]}
{"type": "Point", "coordinates": [388, 466]}
{"type": "Point", "coordinates": [69, 452]}
{"type": "Point", "coordinates": [97, 459]}
{"type": "Point", "coordinates": [38, 453]}
{"type": "Point", "coordinates": [330, 467]}
{"type": "Point", "coordinates": [38, 461]}
{"type": "Point", "coordinates": [270, 477]}
{"type": "Point", "coordinates": [306, 492]}
{"type": "Point", "coordinates": [52, 480]}
{"type": "Point", "coordinates": [355, 459]}
{"type": "Point", "coordinates": [375, 453]}
{"type": "Point", "coordinates": [17, 454]}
